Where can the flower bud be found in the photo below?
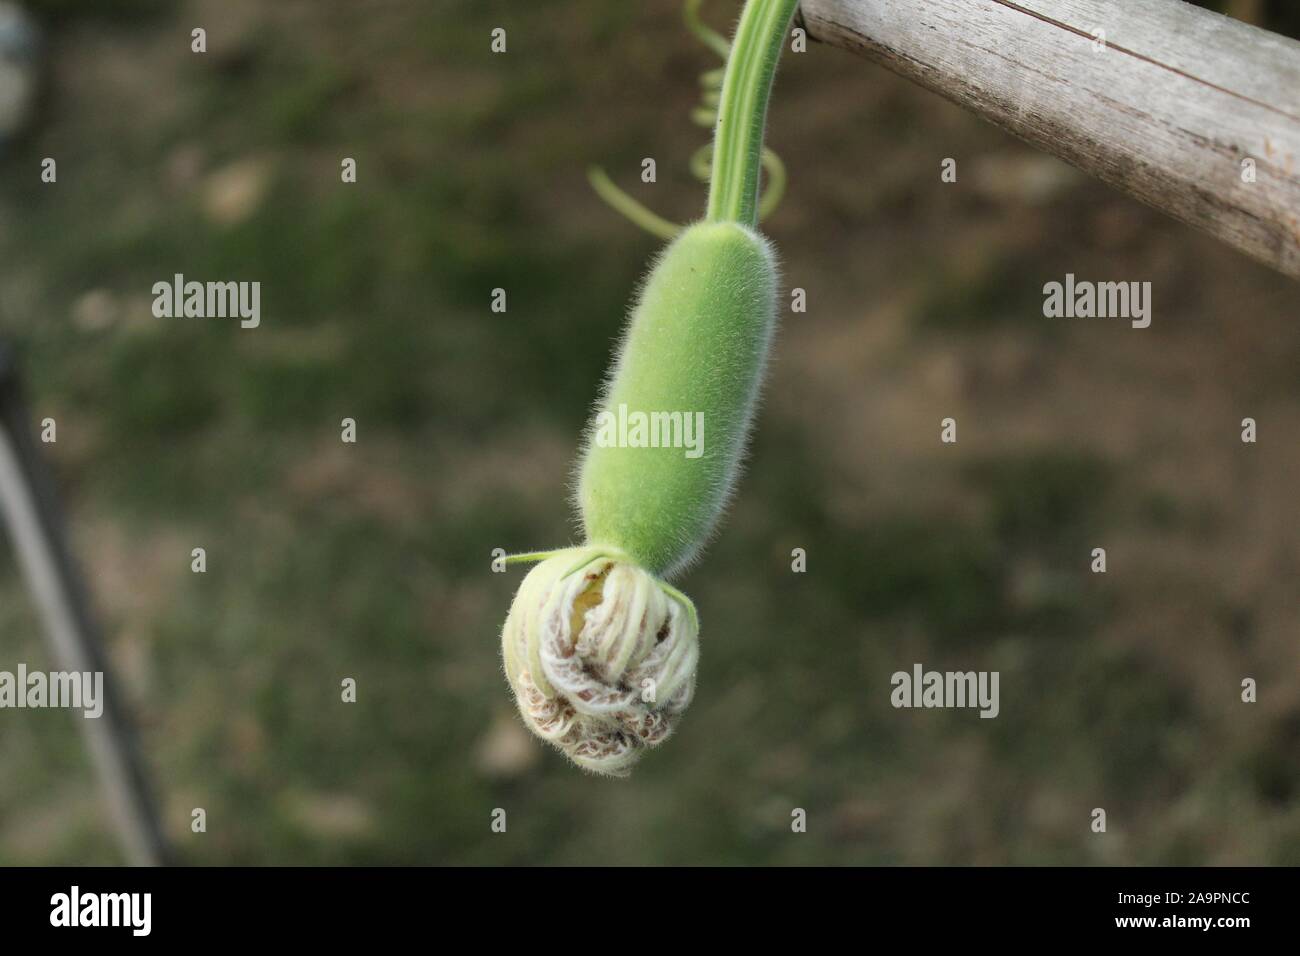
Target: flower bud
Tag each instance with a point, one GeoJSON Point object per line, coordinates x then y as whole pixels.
{"type": "Point", "coordinates": [601, 657]}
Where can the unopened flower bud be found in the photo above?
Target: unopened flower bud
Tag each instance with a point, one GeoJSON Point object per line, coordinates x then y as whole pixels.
{"type": "Point", "coordinates": [601, 657]}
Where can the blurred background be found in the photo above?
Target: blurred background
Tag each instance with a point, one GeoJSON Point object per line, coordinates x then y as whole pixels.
{"type": "Point", "coordinates": [373, 560]}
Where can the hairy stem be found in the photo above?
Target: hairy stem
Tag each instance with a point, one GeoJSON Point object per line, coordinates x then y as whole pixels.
{"type": "Point", "coordinates": [742, 112]}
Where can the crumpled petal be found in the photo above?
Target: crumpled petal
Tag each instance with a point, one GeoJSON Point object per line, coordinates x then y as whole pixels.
{"type": "Point", "coordinates": [601, 657]}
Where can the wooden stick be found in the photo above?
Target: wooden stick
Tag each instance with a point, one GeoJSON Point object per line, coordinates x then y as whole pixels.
{"type": "Point", "coordinates": [1165, 101]}
{"type": "Point", "coordinates": [28, 507]}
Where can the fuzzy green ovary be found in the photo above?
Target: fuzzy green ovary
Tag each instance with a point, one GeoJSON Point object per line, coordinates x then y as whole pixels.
{"type": "Point", "coordinates": [697, 342]}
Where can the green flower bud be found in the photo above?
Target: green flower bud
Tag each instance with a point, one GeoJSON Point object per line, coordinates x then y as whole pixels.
{"type": "Point", "coordinates": [601, 657]}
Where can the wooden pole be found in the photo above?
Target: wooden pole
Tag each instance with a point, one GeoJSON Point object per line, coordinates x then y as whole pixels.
{"type": "Point", "coordinates": [1191, 112]}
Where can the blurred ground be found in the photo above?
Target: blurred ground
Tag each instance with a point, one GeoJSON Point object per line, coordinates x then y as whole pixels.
{"type": "Point", "coordinates": [373, 561]}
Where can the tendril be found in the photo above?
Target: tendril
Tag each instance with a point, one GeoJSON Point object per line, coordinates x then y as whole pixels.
{"type": "Point", "coordinates": [701, 163]}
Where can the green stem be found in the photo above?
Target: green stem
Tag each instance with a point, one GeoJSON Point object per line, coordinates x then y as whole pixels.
{"type": "Point", "coordinates": [742, 112]}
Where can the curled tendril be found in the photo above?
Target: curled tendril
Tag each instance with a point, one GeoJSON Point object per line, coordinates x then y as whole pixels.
{"type": "Point", "coordinates": [705, 115]}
